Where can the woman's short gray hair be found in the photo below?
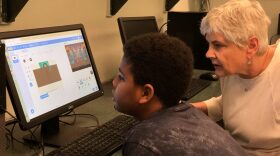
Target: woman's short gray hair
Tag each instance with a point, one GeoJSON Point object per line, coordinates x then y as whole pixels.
{"type": "Point", "coordinates": [237, 21]}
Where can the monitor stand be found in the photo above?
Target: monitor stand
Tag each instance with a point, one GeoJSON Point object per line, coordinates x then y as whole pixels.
{"type": "Point", "coordinates": [55, 135]}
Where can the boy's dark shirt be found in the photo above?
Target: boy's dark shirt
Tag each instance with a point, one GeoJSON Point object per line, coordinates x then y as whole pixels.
{"type": "Point", "coordinates": [180, 130]}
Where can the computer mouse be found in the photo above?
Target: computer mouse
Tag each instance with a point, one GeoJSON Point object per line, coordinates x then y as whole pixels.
{"type": "Point", "coordinates": [209, 76]}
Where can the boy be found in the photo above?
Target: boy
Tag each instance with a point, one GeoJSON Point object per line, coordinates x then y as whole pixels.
{"type": "Point", "coordinates": [154, 73]}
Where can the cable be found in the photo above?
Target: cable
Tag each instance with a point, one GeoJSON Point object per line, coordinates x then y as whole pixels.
{"type": "Point", "coordinates": [82, 115]}
{"type": "Point", "coordinates": [160, 29]}
{"type": "Point", "coordinates": [11, 132]}
{"type": "Point", "coordinates": [7, 139]}
{"type": "Point", "coordinates": [67, 115]}
{"type": "Point", "coordinates": [40, 144]}
{"type": "Point", "coordinates": [209, 5]}
{"type": "Point", "coordinates": [9, 122]}
{"type": "Point", "coordinates": [14, 123]}
{"type": "Point", "coordinates": [204, 5]}
{"type": "Point", "coordinates": [68, 112]}
{"type": "Point", "coordinates": [90, 115]}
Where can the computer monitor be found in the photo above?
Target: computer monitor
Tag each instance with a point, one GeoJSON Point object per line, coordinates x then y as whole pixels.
{"type": "Point", "coordinates": [186, 26]}
{"type": "Point", "coordinates": [134, 26]}
{"type": "Point", "coordinates": [50, 71]}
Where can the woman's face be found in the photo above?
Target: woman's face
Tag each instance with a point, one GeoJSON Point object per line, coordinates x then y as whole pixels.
{"type": "Point", "coordinates": [227, 58]}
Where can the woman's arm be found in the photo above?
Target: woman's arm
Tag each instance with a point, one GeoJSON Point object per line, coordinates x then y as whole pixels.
{"type": "Point", "coordinates": [201, 106]}
{"type": "Point", "coordinates": [212, 107]}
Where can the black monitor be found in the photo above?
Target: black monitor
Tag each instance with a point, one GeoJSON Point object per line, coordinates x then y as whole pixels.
{"type": "Point", "coordinates": [2, 79]}
{"type": "Point", "coordinates": [133, 26]}
{"type": "Point", "coordinates": [186, 26]}
{"type": "Point", "coordinates": [50, 71]}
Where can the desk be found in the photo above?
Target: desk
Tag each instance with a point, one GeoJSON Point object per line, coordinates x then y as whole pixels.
{"type": "Point", "coordinates": [103, 109]}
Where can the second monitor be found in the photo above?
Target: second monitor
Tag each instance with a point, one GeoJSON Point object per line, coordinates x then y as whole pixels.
{"type": "Point", "coordinates": [134, 26]}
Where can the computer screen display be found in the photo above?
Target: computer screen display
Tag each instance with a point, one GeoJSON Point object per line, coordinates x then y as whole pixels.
{"type": "Point", "coordinates": [133, 26]}
{"type": "Point", "coordinates": [49, 71]}
{"type": "Point", "coordinates": [186, 26]}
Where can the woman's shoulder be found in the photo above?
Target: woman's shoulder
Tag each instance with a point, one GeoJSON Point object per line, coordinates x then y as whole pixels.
{"type": "Point", "coordinates": [276, 55]}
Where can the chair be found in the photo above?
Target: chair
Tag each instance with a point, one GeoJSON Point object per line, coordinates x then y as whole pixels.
{"type": "Point", "coordinates": [275, 39]}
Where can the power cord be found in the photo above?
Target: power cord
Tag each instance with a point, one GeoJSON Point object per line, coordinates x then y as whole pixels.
{"type": "Point", "coordinates": [204, 5]}
{"type": "Point", "coordinates": [160, 29]}
{"type": "Point", "coordinates": [10, 137]}
{"type": "Point", "coordinates": [72, 113]}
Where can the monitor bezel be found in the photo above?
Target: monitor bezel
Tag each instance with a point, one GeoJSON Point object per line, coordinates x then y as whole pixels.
{"type": "Point", "coordinates": [24, 125]}
{"type": "Point", "coordinates": [122, 20]}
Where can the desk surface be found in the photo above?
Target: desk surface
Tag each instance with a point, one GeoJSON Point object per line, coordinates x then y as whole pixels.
{"type": "Point", "coordinates": [103, 109]}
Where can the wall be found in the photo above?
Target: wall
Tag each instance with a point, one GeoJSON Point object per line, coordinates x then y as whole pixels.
{"type": "Point", "coordinates": [271, 7]}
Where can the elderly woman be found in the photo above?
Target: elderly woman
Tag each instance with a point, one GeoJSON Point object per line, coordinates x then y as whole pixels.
{"type": "Point", "coordinates": [249, 71]}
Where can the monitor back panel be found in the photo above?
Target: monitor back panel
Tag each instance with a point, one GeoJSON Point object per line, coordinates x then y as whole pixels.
{"type": "Point", "coordinates": [133, 26]}
{"type": "Point", "coordinates": [186, 26]}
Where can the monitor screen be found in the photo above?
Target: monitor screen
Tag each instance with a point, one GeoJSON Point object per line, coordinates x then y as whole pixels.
{"type": "Point", "coordinates": [186, 26]}
{"type": "Point", "coordinates": [49, 72]}
{"type": "Point", "coordinates": [133, 26]}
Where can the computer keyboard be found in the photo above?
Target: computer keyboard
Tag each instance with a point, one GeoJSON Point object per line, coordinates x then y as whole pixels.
{"type": "Point", "coordinates": [195, 87]}
{"type": "Point", "coordinates": [102, 141]}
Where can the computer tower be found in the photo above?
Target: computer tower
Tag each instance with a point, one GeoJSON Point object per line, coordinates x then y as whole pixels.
{"type": "Point", "coordinates": [2, 134]}
{"type": "Point", "coordinates": [2, 79]}
{"type": "Point", "coordinates": [2, 98]}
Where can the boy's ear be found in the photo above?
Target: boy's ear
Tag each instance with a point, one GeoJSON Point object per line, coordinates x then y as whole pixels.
{"type": "Point", "coordinates": [147, 94]}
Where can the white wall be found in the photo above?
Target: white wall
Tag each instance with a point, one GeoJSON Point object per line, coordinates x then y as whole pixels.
{"type": "Point", "coordinates": [271, 7]}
